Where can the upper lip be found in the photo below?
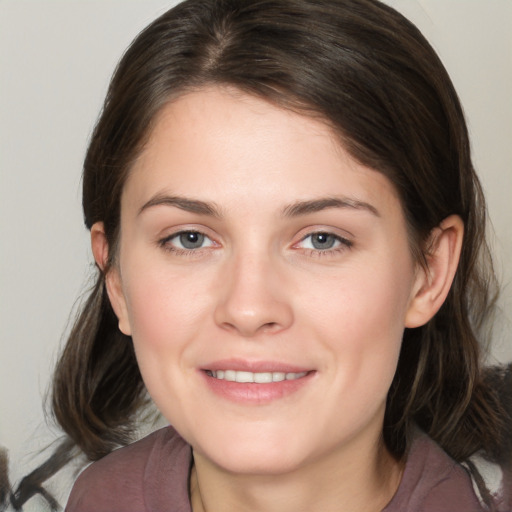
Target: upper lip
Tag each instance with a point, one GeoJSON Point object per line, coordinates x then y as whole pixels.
{"type": "Point", "coordinates": [254, 366]}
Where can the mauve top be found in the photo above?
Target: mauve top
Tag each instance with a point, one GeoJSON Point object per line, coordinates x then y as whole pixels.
{"type": "Point", "coordinates": [151, 475]}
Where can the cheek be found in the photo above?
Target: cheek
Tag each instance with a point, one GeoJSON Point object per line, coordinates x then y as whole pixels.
{"type": "Point", "coordinates": [163, 307]}
{"type": "Point", "coordinates": [361, 316]}
{"type": "Point", "coordinates": [365, 303]}
{"type": "Point", "coordinates": [165, 317]}
{"type": "Point", "coordinates": [166, 314]}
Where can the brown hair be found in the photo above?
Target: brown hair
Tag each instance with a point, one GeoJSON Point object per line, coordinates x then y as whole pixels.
{"type": "Point", "coordinates": [374, 78]}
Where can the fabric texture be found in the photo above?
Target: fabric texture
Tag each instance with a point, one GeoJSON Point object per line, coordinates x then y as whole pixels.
{"type": "Point", "coordinates": [152, 475]}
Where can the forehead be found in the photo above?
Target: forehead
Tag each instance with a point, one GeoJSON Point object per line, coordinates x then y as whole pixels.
{"type": "Point", "coordinates": [224, 145]}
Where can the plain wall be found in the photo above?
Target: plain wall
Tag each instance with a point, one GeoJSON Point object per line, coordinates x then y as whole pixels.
{"type": "Point", "coordinates": [56, 58]}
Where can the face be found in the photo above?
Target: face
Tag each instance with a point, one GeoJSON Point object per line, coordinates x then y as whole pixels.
{"type": "Point", "coordinates": [266, 279]}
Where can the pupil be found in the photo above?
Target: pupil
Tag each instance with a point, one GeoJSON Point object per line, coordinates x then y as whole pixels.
{"type": "Point", "coordinates": [322, 241]}
{"type": "Point", "coordinates": [191, 240]}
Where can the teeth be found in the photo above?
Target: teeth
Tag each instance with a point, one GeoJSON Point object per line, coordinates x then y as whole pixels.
{"type": "Point", "coordinates": [258, 378]}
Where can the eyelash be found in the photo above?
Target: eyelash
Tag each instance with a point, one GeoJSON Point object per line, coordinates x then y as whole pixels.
{"type": "Point", "coordinates": [342, 244]}
{"type": "Point", "coordinates": [165, 244]}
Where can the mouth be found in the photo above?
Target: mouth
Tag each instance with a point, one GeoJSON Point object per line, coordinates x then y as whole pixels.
{"type": "Point", "coordinates": [255, 383]}
{"type": "Point", "coordinates": [254, 377]}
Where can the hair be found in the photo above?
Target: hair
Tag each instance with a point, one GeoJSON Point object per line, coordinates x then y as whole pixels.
{"type": "Point", "coordinates": [370, 74]}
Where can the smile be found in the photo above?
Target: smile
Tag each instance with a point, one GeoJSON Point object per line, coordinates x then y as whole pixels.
{"type": "Point", "coordinates": [254, 377]}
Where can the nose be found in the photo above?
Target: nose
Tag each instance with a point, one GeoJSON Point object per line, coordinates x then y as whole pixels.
{"type": "Point", "coordinates": [253, 298]}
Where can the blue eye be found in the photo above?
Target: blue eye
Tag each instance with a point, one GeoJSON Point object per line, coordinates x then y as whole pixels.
{"type": "Point", "coordinates": [187, 241]}
{"type": "Point", "coordinates": [190, 239]}
{"type": "Point", "coordinates": [323, 241]}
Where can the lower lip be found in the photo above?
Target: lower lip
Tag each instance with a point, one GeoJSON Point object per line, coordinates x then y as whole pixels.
{"type": "Point", "coordinates": [253, 393]}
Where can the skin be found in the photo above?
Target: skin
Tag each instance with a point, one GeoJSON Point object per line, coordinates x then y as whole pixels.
{"type": "Point", "coordinates": [258, 289]}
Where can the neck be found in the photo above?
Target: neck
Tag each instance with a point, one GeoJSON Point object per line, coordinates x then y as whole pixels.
{"type": "Point", "coordinates": [359, 479]}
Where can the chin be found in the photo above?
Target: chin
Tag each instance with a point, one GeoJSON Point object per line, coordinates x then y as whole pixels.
{"type": "Point", "coordinates": [261, 454]}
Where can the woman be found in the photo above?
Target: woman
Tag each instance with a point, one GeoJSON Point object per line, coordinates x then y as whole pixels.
{"type": "Point", "coordinates": [289, 235]}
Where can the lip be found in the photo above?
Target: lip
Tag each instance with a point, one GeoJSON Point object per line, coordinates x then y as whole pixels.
{"type": "Point", "coordinates": [242, 365]}
{"type": "Point", "coordinates": [253, 393]}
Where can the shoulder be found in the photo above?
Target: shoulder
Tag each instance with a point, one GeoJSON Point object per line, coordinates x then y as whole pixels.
{"type": "Point", "coordinates": [433, 482]}
{"type": "Point", "coordinates": [127, 478]}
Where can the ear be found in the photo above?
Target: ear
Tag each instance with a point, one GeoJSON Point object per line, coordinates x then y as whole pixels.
{"type": "Point", "coordinates": [113, 283]}
{"type": "Point", "coordinates": [433, 283]}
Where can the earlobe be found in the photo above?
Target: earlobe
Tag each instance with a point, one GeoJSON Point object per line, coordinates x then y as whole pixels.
{"type": "Point", "coordinates": [434, 282]}
{"type": "Point", "coordinates": [112, 277]}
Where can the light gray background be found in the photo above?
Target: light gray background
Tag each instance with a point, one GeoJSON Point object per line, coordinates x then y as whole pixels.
{"type": "Point", "coordinates": [56, 58]}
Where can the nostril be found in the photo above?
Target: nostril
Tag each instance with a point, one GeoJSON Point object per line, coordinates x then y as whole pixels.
{"type": "Point", "coordinates": [249, 312]}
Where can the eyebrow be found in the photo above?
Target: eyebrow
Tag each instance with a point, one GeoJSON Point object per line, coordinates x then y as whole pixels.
{"type": "Point", "coordinates": [293, 210]}
{"type": "Point", "coordinates": [317, 205]}
{"type": "Point", "coordinates": [189, 205]}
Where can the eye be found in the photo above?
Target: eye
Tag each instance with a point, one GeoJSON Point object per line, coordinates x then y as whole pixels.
{"type": "Point", "coordinates": [186, 241]}
{"type": "Point", "coordinates": [320, 241]}
{"type": "Point", "coordinates": [324, 241]}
